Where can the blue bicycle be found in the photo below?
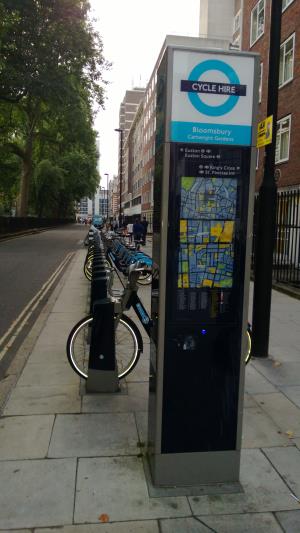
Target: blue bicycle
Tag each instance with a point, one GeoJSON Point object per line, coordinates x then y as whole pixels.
{"type": "Point", "coordinates": [121, 257]}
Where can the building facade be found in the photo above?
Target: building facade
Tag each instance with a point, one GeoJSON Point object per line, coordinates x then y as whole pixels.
{"type": "Point", "coordinates": [128, 109]}
{"type": "Point", "coordinates": [149, 123]}
{"type": "Point", "coordinates": [255, 36]}
{"type": "Point", "coordinates": [101, 202]}
{"type": "Point", "coordinates": [216, 19]}
{"type": "Point", "coordinates": [114, 198]}
{"type": "Point", "coordinates": [84, 209]}
{"type": "Point", "coordinates": [246, 26]}
{"type": "Point", "coordinates": [134, 151]}
{"type": "Point", "coordinates": [138, 153]}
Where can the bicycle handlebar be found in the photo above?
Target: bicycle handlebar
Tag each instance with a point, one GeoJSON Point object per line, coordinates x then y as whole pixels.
{"type": "Point", "coordinates": [139, 267]}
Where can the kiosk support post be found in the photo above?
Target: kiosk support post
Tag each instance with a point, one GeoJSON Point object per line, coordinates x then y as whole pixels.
{"type": "Point", "coordinates": [267, 202]}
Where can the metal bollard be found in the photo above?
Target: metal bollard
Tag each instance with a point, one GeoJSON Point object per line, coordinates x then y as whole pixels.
{"type": "Point", "coordinates": [98, 288]}
{"type": "Point", "coordinates": [103, 371]}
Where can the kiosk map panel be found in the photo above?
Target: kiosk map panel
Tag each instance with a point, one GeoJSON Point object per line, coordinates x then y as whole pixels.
{"type": "Point", "coordinates": [209, 195]}
{"type": "Point", "coordinates": [207, 214]}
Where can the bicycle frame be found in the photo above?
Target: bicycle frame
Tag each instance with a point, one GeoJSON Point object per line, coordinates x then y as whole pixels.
{"type": "Point", "coordinates": [135, 302]}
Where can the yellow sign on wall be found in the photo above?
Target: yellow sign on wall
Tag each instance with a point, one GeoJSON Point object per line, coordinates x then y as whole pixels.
{"type": "Point", "coordinates": [264, 132]}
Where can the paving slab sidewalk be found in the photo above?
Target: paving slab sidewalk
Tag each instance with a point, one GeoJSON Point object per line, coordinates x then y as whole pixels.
{"type": "Point", "coordinates": [71, 462]}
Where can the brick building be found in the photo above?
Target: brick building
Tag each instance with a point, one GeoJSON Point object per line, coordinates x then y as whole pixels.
{"type": "Point", "coordinates": [255, 36]}
{"type": "Point", "coordinates": [128, 109]}
{"type": "Point", "coordinates": [134, 156]}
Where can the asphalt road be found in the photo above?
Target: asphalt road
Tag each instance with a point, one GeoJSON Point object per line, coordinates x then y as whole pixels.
{"type": "Point", "coordinates": [27, 262]}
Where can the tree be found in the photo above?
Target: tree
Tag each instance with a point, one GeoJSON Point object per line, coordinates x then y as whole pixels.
{"type": "Point", "coordinates": [9, 181]}
{"type": "Point", "coordinates": [73, 150]}
{"type": "Point", "coordinates": [48, 184]}
{"type": "Point", "coordinates": [80, 179]}
{"type": "Point", "coordinates": [51, 58]}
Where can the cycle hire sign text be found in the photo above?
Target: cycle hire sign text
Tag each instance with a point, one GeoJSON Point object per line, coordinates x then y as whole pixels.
{"type": "Point", "coordinates": [212, 98]}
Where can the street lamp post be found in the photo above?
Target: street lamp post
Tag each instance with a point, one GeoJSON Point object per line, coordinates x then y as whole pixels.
{"type": "Point", "coordinates": [119, 130]}
{"type": "Point", "coordinates": [101, 201]}
{"type": "Point", "coordinates": [106, 174]}
{"type": "Point", "coordinates": [266, 226]}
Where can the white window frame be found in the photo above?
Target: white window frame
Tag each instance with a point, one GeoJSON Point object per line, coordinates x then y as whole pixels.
{"type": "Point", "coordinates": [237, 21]}
{"type": "Point", "coordinates": [282, 46]}
{"type": "Point", "coordinates": [260, 83]}
{"type": "Point", "coordinates": [256, 7]}
{"type": "Point", "coordinates": [289, 2]}
{"type": "Point", "coordinates": [236, 43]}
{"type": "Point", "coordinates": [283, 119]}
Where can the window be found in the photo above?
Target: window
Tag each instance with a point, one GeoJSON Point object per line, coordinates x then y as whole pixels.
{"type": "Point", "coordinates": [285, 4]}
{"type": "Point", "coordinates": [257, 21]}
{"type": "Point", "coordinates": [286, 67]}
{"type": "Point", "coordinates": [237, 22]}
{"type": "Point", "coordinates": [260, 82]}
{"type": "Point", "coordinates": [283, 139]}
{"type": "Point", "coordinates": [236, 43]}
{"type": "Point", "coordinates": [257, 158]}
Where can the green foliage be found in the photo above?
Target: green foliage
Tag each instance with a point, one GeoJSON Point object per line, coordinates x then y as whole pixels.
{"type": "Point", "coordinates": [80, 176]}
{"type": "Point", "coordinates": [51, 68]}
{"type": "Point", "coordinates": [48, 46]}
{"type": "Point", "coordinates": [9, 181]}
{"type": "Point", "coordinates": [48, 184]}
{"type": "Point", "coordinates": [80, 179]}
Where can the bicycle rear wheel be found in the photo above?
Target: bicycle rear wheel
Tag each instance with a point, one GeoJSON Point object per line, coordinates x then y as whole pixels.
{"type": "Point", "coordinates": [248, 347]}
{"type": "Point", "coordinates": [129, 346]}
{"type": "Point", "coordinates": [145, 279]}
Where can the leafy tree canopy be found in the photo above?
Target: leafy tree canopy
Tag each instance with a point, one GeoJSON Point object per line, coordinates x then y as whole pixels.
{"type": "Point", "coordinates": [47, 48]}
{"type": "Point", "coordinates": [51, 74]}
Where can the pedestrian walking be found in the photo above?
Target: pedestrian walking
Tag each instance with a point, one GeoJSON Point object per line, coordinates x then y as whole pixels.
{"type": "Point", "coordinates": [145, 229]}
{"type": "Point", "coordinates": [138, 232]}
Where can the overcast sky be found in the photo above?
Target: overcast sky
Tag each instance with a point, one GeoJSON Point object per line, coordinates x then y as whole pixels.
{"type": "Point", "coordinates": [133, 32]}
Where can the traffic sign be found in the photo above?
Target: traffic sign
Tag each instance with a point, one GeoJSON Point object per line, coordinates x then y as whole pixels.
{"type": "Point", "coordinates": [264, 132]}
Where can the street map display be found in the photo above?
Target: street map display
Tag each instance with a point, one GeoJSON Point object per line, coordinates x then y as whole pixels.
{"type": "Point", "coordinates": [207, 214]}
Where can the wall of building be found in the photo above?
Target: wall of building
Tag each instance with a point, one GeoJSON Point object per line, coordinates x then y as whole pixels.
{"type": "Point", "coordinates": [216, 19]}
{"type": "Point", "coordinates": [139, 141]}
{"type": "Point", "coordinates": [128, 109]}
{"type": "Point", "coordinates": [288, 98]}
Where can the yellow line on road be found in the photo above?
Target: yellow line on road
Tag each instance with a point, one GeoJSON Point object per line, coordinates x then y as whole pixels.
{"type": "Point", "coordinates": [10, 336]}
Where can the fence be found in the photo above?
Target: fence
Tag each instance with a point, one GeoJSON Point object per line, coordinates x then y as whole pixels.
{"type": "Point", "coordinates": [286, 256]}
{"type": "Point", "coordinates": [14, 224]}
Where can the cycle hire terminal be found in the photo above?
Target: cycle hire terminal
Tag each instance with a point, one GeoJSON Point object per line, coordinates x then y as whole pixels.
{"type": "Point", "coordinates": [203, 207]}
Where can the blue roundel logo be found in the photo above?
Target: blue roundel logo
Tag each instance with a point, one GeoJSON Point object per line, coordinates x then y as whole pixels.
{"type": "Point", "coordinates": [195, 99]}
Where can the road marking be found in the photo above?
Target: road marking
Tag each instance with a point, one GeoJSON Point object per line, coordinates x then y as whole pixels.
{"type": "Point", "coordinates": [30, 307]}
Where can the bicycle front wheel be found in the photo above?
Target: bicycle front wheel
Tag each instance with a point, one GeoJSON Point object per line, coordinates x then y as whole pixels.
{"type": "Point", "coordinates": [87, 269]}
{"type": "Point", "coordinates": [128, 341]}
{"type": "Point", "coordinates": [248, 347]}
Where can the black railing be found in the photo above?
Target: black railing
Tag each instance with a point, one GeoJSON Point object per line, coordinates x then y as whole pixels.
{"type": "Point", "coordinates": [17, 224]}
{"type": "Point", "coordinates": [286, 256]}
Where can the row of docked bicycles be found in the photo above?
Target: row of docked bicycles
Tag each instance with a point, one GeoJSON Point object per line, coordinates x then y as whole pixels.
{"type": "Point", "coordinates": [106, 257]}
{"type": "Point", "coordinates": [121, 253]}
